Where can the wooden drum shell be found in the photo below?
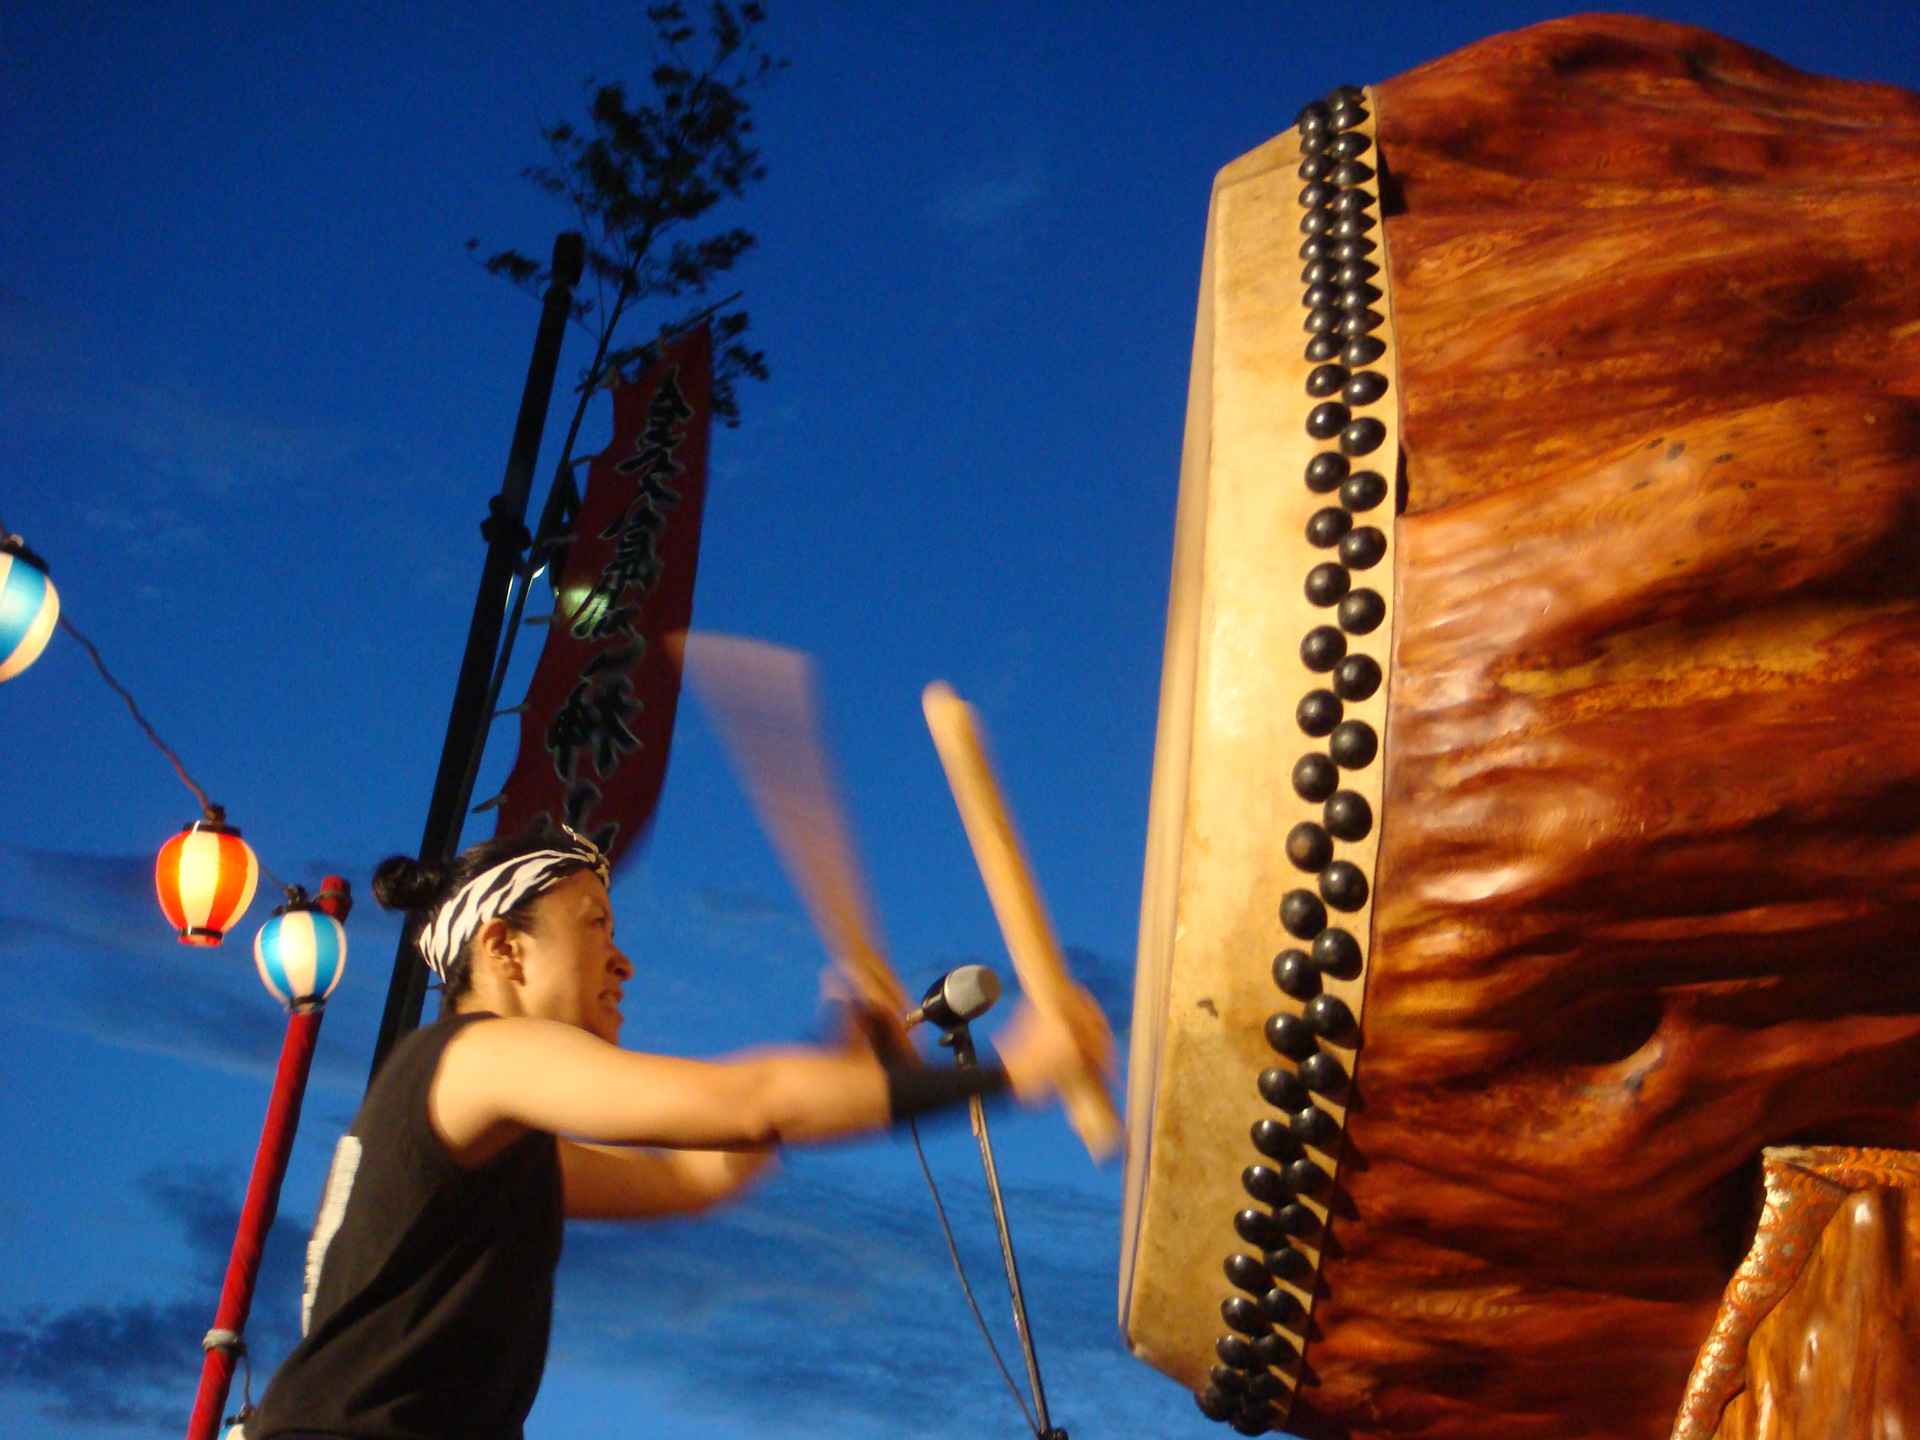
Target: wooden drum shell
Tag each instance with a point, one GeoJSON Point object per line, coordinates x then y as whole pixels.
{"type": "Point", "coordinates": [1648, 874]}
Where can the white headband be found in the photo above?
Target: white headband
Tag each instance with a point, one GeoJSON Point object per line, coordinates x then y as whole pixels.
{"type": "Point", "coordinates": [492, 893]}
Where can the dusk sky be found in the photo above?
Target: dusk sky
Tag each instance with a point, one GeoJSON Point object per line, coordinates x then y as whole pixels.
{"type": "Point", "coordinates": [253, 398]}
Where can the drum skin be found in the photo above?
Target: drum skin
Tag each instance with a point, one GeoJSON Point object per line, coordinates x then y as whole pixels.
{"type": "Point", "coordinates": [1648, 888]}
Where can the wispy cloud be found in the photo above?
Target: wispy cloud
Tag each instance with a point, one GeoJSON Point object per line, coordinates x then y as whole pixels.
{"type": "Point", "coordinates": [831, 1306]}
{"type": "Point", "coordinates": [739, 906]}
{"type": "Point", "coordinates": [992, 214]}
{"type": "Point", "coordinates": [183, 434]}
{"type": "Point", "coordinates": [83, 947]}
{"type": "Point", "coordinates": [175, 446]}
{"type": "Point", "coordinates": [116, 1363]}
{"type": "Point", "coordinates": [983, 224]}
{"type": "Point", "coordinates": [984, 204]}
{"type": "Point", "coordinates": [83, 942]}
{"type": "Point", "coordinates": [136, 1362]}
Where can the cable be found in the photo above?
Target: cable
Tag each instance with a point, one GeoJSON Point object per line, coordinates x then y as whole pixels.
{"type": "Point", "coordinates": [213, 811]}
{"type": "Point", "coordinates": [960, 1270]}
{"type": "Point", "coordinates": [217, 814]}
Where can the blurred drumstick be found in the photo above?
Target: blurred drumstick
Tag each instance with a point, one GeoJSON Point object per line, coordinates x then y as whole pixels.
{"type": "Point", "coordinates": [760, 698]}
{"type": "Point", "coordinates": [1023, 914]}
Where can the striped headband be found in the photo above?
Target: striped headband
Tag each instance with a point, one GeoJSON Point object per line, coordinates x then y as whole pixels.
{"type": "Point", "coordinates": [492, 893]}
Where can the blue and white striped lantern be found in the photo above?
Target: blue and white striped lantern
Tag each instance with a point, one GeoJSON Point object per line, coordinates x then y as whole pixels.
{"type": "Point", "coordinates": [29, 608]}
{"type": "Point", "coordinates": [301, 955]}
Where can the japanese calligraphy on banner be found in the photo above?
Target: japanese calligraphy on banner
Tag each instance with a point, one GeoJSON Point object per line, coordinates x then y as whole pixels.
{"type": "Point", "coordinates": [599, 716]}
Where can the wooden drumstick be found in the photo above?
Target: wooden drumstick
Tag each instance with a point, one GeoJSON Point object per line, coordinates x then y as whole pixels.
{"type": "Point", "coordinates": [760, 698]}
{"type": "Point", "coordinates": [1022, 913]}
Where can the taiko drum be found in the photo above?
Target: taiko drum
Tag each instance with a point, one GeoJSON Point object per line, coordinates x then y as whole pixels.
{"type": "Point", "coordinates": [1535, 832]}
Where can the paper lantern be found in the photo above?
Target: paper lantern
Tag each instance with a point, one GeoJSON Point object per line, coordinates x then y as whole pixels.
{"type": "Point", "coordinates": [29, 607]}
{"type": "Point", "coordinates": [205, 877]}
{"type": "Point", "coordinates": [301, 954]}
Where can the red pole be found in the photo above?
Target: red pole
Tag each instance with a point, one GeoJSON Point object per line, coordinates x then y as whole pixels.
{"type": "Point", "coordinates": [256, 1217]}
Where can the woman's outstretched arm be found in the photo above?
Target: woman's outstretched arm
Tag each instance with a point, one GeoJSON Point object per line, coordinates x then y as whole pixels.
{"type": "Point", "coordinates": [498, 1078]}
{"type": "Point", "coordinates": [608, 1183]}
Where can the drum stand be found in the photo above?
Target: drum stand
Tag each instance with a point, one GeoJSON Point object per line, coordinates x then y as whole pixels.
{"type": "Point", "coordinates": [960, 1039]}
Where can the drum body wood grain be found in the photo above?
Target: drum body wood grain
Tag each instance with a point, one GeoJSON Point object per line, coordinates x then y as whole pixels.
{"type": "Point", "coordinates": [1648, 878]}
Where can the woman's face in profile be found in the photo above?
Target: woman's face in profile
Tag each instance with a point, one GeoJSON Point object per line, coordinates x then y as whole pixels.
{"type": "Point", "coordinates": [574, 972]}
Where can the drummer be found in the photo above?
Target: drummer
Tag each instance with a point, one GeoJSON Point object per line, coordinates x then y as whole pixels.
{"type": "Point", "coordinates": [429, 1282]}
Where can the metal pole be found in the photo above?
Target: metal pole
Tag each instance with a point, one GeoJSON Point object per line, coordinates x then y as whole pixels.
{"type": "Point", "coordinates": [505, 531]}
{"type": "Point", "coordinates": [225, 1343]}
{"type": "Point", "coordinates": [963, 1054]}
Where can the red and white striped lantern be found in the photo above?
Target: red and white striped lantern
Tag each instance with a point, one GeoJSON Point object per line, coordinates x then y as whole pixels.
{"type": "Point", "coordinates": [205, 877]}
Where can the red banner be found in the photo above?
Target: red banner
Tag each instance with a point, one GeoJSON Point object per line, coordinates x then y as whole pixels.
{"type": "Point", "coordinates": [599, 718]}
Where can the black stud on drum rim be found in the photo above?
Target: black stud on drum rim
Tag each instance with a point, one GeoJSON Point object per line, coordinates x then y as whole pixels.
{"type": "Point", "coordinates": [1323, 913]}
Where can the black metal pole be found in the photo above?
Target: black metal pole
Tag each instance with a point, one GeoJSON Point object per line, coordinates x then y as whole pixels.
{"type": "Point", "coordinates": [961, 1038]}
{"type": "Point", "coordinates": [505, 531]}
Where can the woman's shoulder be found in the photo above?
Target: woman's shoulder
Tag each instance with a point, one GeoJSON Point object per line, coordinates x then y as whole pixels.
{"type": "Point", "coordinates": [417, 1055]}
{"type": "Point", "coordinates": [483, 1072]}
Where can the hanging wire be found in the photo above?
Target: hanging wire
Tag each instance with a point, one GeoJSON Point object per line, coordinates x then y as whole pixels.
{"type": "Point", "coordinates": [212, 811]}
{"type": "Point", "coordinates": [960, 1270]}
{"type": "Point", "coordinates": [245, 1412]}
{"type": "Point", "coordinates": [215, 813]}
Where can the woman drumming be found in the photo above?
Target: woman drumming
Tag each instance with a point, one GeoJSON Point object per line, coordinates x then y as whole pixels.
{"type": "Point", "coordinates": [429, 1286]}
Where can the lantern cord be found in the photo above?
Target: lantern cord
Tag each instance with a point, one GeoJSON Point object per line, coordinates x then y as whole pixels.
{"type": "Point", "coordinates": [960, 1270]}
{"type": "Point", "coordinates": [213, 812]}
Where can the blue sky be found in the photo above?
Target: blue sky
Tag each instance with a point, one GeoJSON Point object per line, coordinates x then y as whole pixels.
{"type": "Point", "coordinates": [253, 397]}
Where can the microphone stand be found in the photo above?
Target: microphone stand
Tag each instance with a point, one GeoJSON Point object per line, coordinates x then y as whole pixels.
{"type": "Point", "coordinates": [960, 1039]}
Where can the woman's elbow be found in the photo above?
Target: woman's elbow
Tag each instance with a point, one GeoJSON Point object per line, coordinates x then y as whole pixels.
{"type": "Point", "coordinates": [807, 1097]}
{"type": "Point", "coordinates": [763, 1113]}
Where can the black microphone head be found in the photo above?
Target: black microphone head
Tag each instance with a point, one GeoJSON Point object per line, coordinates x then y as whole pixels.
{"type": "Point", "coordinates": [960, 995]}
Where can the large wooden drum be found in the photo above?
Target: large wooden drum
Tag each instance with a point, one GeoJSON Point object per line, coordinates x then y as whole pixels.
{"type": "Point", "coordinates": [1535, 833]}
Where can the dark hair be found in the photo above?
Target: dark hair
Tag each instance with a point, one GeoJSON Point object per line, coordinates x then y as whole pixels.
{"type": "Point", "coordinates": [401, 882]}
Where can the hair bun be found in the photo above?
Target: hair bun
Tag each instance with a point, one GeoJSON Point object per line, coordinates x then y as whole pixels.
{"type": "Point", "coordinates": [403, 883]}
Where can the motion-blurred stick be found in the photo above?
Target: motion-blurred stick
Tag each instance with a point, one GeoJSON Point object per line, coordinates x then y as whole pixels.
{"type": "Point", "coordinates": [1023, 914]}
{"type": "Point", "coordinates": [760, 698]}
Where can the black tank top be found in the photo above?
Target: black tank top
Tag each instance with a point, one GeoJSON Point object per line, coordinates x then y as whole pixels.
{"type": "Point", "coordinates": [429, 1288]}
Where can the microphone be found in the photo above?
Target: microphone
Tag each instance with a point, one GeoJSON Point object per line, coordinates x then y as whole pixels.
{"type": "Point", "coordinates": [958, 996]}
